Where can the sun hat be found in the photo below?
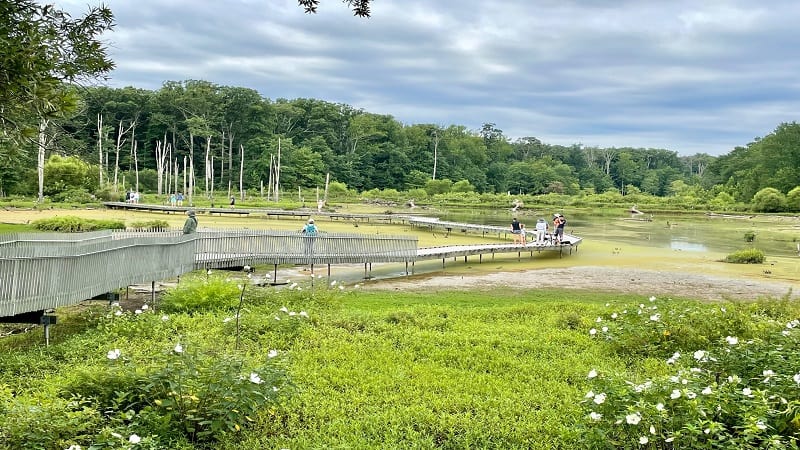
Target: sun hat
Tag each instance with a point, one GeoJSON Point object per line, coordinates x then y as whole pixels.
{"type": "Point", "coordinates": [191, 212]}
{"type": "Point", "coordinates": [310, 220]}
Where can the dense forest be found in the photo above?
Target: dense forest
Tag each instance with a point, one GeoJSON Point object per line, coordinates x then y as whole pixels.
{"type": "Point", "coordinates": [231, 139]}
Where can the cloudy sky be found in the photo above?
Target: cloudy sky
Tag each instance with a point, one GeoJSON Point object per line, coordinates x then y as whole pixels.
{"type": "Point", "coordinates": [685, 75]}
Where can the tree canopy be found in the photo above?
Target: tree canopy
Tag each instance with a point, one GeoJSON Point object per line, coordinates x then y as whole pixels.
{"type": "Point", "coordinates": [360, 7]}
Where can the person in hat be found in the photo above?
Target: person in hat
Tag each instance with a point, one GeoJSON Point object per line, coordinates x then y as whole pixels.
{"type": "Point", "coordinates": [310, 228]}
{"type": "Point", "coordinates": [190, 226]}
{"type": "Point", "coordinates": [558, 228]}
{"type": "Point", "coordinates": [541, 230]}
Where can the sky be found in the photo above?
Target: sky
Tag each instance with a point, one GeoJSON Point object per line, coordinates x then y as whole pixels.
{"type": "Point", "coordinates": [684, 75]}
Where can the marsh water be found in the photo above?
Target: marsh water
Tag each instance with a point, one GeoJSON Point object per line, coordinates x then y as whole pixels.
{"type": "Point", "coordinates": [694, 232]}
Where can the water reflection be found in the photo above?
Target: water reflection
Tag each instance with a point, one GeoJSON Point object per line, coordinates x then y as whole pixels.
{"type": "Point", "coordinates": [679, 244]}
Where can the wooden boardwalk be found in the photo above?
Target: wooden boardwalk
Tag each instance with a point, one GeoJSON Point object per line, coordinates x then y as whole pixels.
{"type": "Point", "coordinates": [41, 271]}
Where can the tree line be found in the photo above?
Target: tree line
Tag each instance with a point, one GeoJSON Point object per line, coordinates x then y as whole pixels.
{"type": "Point", "coordinates": [197, 137]}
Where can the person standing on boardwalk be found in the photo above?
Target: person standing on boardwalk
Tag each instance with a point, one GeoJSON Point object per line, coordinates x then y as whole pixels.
{"type": "Point", "coordinates": [190, 226]}
{"type": "Point", "coordinates": [233, 202]}
{"type": "Point", "coordinates": [558, 232]}
{"type": "Point", "coordinates": [517, 231]}
{"type": "Point", "coordinates": [541, 230]}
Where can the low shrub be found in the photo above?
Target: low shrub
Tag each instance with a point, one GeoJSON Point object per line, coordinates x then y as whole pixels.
{"type": "Point", "coordinates": [214, 292]}
{"type": "Point", "coordinates": [746, 256]}
{"type": "Point", "coordinates": [150, 225]}
{"type": "Point", "coordinates": [72, 224]}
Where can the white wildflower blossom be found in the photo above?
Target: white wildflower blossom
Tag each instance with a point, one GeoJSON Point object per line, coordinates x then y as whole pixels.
{"type": "Point", "coordinates": [255, 379]}
{"type": "Point", "coordinates": [589, 394]}
{"type": "Point", "coordinates": [732, 340]}
{"type": "Point", "coordinates": [599, 319]}
{"type": "Point", "coordinates": [768, 374]}
{"type": "Point", "coordinates": [706, 391]}
{"type": "Point", "coordinates": [272, 354]}
{"type": "Point", "coordinates": [144, 308]}
{"type": "Point", "coordinates": [164, 318]}
{"type": "Point", "coordinates": [178, 348]}
{"type": "Point", "coordinates": [734, 379]}
{"type": "Point", "coordinates": [669, 439]}
{"type": "Point", "coordinates": [747, 392]}
{"type": "Point", "coordinates": [652, 429]}
{"type": "Point", "coordinates": [118, 312]}
{"type": "Point", "coordinates": [592, 374]}
{"type": "Point", "coordinates": [796, 378]}
{"type": "Point", "coordinates": [595, 416]}
{"type": "Point", "coordinates": [676, 394]}
{"type": "Point", "coordinates": [604, 329]}
{"type": "Point", "coordinates": [138, 311]}
{"type": "Point", "coordinates": [655, 317]}
{"type": "Point", "coordinates": [633, 418]}
{"type": "Point", "coordinates": [614, 315]}
{"type": "Point", "coordinates": [690, 395]}
{"type": "Point", "coordinates": [761, 425]}
{"type": "Point", "coordinates": [592, 331]}
{"type": "Point", "coordinates": [284, 309]}
{"type": "Point", "coordinates": [600, 398]}
{"type": "Point", "coordinates": [113, 354]}
{"type": "Point", "coordinates": [652, 298]}
{"type": "Point", "coordinates": [303, 314]}
{"type": "Point", "coordinates": [643, 440]}
{"type": "Point", "coordinates": [134, 439]}
{"type": "Point", "coordinates": [700, 355]}
{"type": "Point", "coordinates": [660, 407]}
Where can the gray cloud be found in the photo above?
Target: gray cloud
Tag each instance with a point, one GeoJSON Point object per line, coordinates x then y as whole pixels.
{"type": "Point", "coordinates": [684, 75]}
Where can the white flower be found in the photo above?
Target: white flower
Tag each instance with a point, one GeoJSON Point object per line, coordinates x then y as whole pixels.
{"type": "Point", "coordinates": [761, 425]}
{"type": "Point", "coordinates": [614, 316]}
{"type": "Point", "coordinates": [138, 311]}
{"type": "Point", "coordinates": [293, 285]}
{"type": "Point", "coordinates": [284, 309]}
{"type": "Point", "coordinates": [734, 379]}
{"type": "Point", "coordinates": [134, 439]}
{"type": "Point", "coordinates": [732, 340]}
{"type": "Point", "coordinates": [660, 407]}
{"type": "Point", "coordinates": [274, 388]}
{"type": "Point", "coordinates": [113, 354]}
{"type": "Point", "coordinates": [707, 431]}
{"type": "Point", "coordinates": [341, 288]}
{"type": "Point", "coordinates": [599, 319]}
{"type": "Point", "coordinates": [227, 319]}
{"type": "Point", "coordinates": [164, 318]}
{"type": "Point", "coordinates": [254, 378]}
{"type": "Point", "coordinates": [144, 308]}
{"type": "Point", "coordinates": [589, 394]}
{"type": "Point", "coordinates": [600, 398]}
{"type": "Point", "coordinates": [675, 379]}
{"type": "Point", "coordinates": [690, 395]}
{"type": "Point", "coordinates": [116, 435]}
{"type": "Point", "coordinates": [333, 283]}
{"type": "Point", "coordinates": [118, 312]}
{"type": "Point", "coordinates": [652, 298]}
{"type": "Point", "coordinates": [643, 440]}
{"type": "Point", "coordinates": [595, 416]}
{"type": "Point", "coordinates": [796, 378]}
{"type": "Point", "coordinates": [592, 332]}
{"type": "Point", "coordinates": [675, 394]}
{"type": "Point", "coordinates": [178, 348]}
{"type": "Point", "coordinates": [356, 286]}
{"type": "Point", "coordinates": [706, 391]}
{"type": "Point", "coordinates": [669, 439]}
{"type": "Point", "coordinates": [747, 392]}
{"type": "Point", "coordinates": [292, 313]}
{"type": "Point", "coordinates": [605, 329]}
{"type": "Point", "coordinates": [786, 332]}
{"type": "Point", "coordinates": [592, 374]}
{"type": "Point", "coordinates": [246, 268]}
{"type": "Point", "coordinates": [74, 447]}
{"type": "Point", "coordinates": [793, 324]}
{"type": "Point", "coordinates": [633, 419]}
{"type": "Point", "coordinates": [303, 313]}
{"type": "Point", "coordinates": [722, 308]}
{"type": "Point", "coordinates": [277, 318]}
{"type": "Point", "coordinates": [652, 429]}
{"type": "Point", "coordinates": [768, 374]}
{"type": "Point", "coordinates": [700, 355]}
{"type": "Point", "coordinates": [272, 354]}
{"type": "Point", "coordinates": [655, 317]}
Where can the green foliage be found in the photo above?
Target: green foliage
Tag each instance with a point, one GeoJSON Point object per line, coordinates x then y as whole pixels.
{"type": "Point", "coordinates": [746, 256]}
{"type": "Point", "coordinates": [73, 196]}
{"type": "Point", "coordinates": [769, 200]}
{"type": "Point", "coordinates": [433, 187]}
{"type": "Point", "coordinates": [201, 294]}
{"type": "Point", "coordinates": [735, 392]}
{"type": "Point", "coordinates": [749, 236]}
{"type": "Point", "coordinates": [150, 225]}
{"type": "Point", "coordinates": [72, 224]}
{"type": "Point", "coordinates": [793, 199]}
{"type": "Point", "coordinates": [53, 423]}
{"type": "Point", "coordinates": [68, 174]}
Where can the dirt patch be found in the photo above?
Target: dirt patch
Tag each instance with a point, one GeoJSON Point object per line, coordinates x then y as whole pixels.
{"type": "Point", "coordinates": [637, 281]}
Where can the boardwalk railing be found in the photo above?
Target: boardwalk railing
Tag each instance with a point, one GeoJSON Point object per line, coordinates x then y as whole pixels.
{"type": "Point", "coordinates": [45, 270]}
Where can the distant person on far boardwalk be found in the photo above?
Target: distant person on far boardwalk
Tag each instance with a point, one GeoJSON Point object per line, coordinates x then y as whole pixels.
{"type": "Point", "coordinates": [517, 231]}
{"type": "Point", "coordinates": [233, 202]}
{"type": "Point", "coordinates": [541, 230]}
{"type": "Point", "coordinates": [179, 198]}
{"type": "Point", "coordinates": [310, 231]}
{"type": "Point", "coordinates": [190, 226]}
{"type": "Point", "coordinates": [173, 199]}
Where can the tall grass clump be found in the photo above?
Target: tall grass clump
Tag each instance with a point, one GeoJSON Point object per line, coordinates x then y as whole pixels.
{"type": "Point", "coordinates": [746, 256]}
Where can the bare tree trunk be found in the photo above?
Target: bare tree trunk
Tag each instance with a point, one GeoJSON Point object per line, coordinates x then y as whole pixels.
{"type": "Point", "coordinates": [100, 146]}
{"type": "Point", "coordinates": [230, 162]}
{"type": "Point", "coordinates": [136, 163]}
{"type": "Point", "coordinates": [278, 173]}
{"type": "Point", "coordinates": [42, 146]}
{"type": "Point", "coordinates": [207, 164]}
{"type": "Point", "coordinates": [241, 171]}
{"type": "Point", "coordinates": [270, 182]}
{"type": "Point", "coordinates": [222, 162]}
{"type": "Point", "coordinates": [435, 151]}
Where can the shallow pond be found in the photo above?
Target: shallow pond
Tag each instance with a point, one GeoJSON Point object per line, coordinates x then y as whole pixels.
{"type": "Point", "coordinates": [693, 232]}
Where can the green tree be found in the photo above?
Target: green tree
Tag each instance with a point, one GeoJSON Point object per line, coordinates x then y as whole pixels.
{"type": "Point", "coordinates": [43, 47]}
{"type": "Point", "coordinates": [769, 200]}
{"type": "Point", "coordinates": [793, 199]}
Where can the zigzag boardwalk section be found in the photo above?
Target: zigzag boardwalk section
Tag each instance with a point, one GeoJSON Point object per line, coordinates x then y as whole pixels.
{"type": "Point", "coordinates": [43, 271]}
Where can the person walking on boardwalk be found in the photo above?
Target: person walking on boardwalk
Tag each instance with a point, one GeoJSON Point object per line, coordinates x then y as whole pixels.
{"type": "Point", "coordinates": [558, 228]}
{"type": "Point", "coordinates": [517, 231]}
{"type": "Point", "coordinates": [190, 226]}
